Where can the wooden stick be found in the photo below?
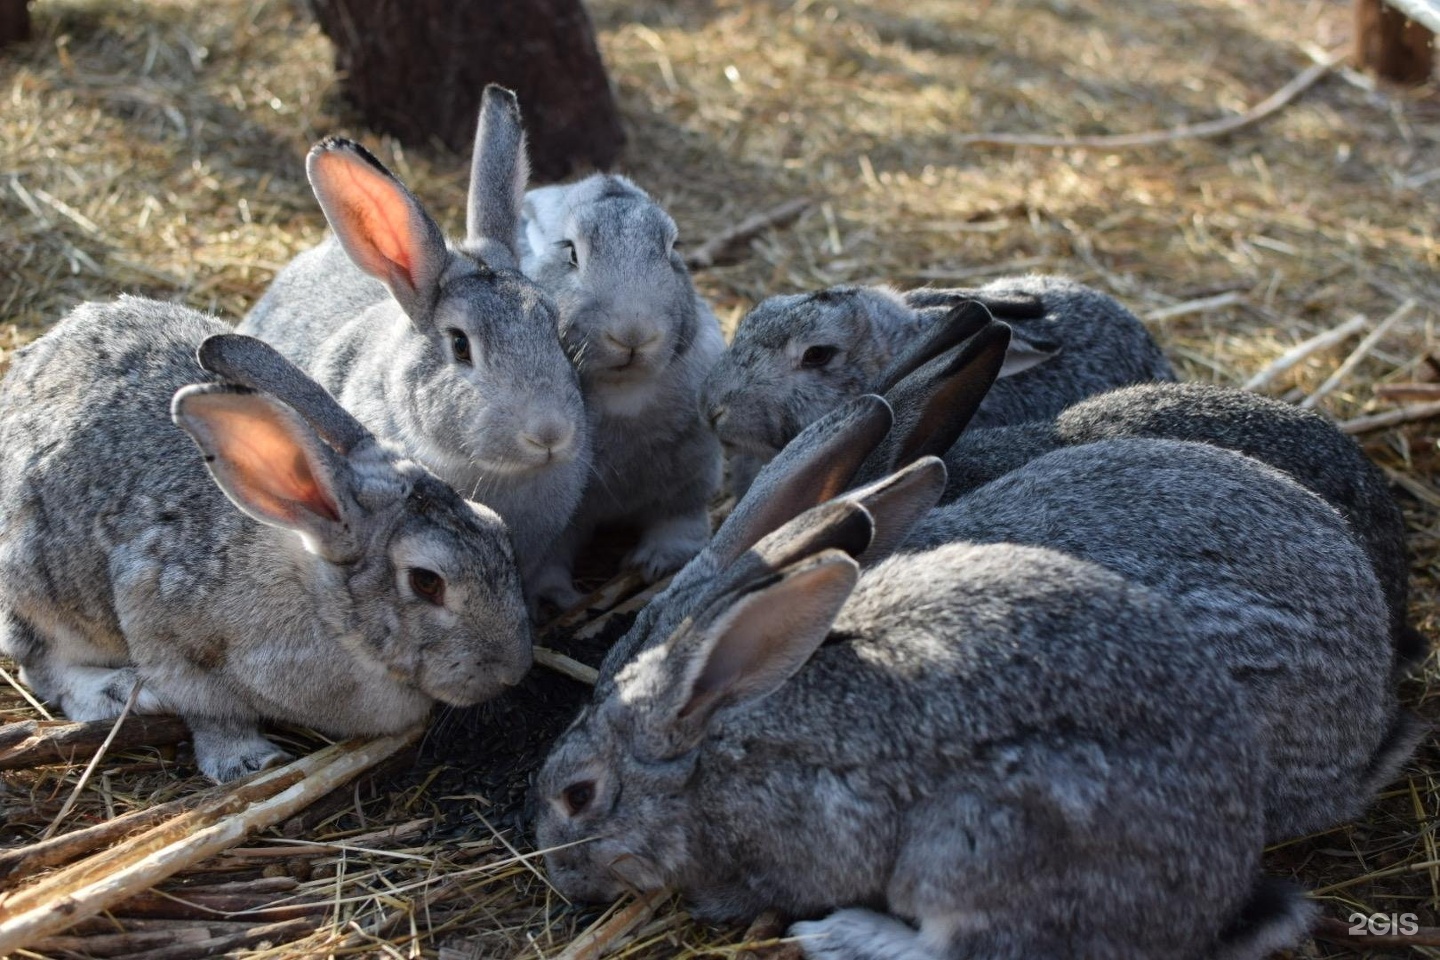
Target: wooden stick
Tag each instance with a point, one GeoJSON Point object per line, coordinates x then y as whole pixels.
{"type": "Point", "coordinates": [598, 601]}
{"type": "Point", "coordinates": [1392, 418]}
{"type": "Point", "coordinates": [711, 250]}
{"type": "Point", "coordinates": [1359, 353]}
{"type": "Point", "coordinates": [106, 878]}
{"type": "Point", "coordinates": [275, 933]}
{"type": "Point", "coordinates": [1304, 349]}
{"type": "Point", "coordinates": [374, 839]}
{"type": "Point", "coordinates": [764, 939]}
{"type": "Point", "coordinates": [17, 864]}
{"type": "Point", "coordinates": [1272, 104]}
{"type": "Point", "coordinates": [566, 666]}
{"type": "Point", "coordinates": [131, 941]}
{"type": "Point", "coordinates": [1195, 306]}
{"type": "Point", "coordinates": [605, 935]}
{"type": "Point", "coordinates": [1408, 391]}
{"type": "Point", "coordinates": [34, 743]}
{"type": "Point", "coordinates": [595, 627]}
{"type": "Point", "coordinates": [90, 767]}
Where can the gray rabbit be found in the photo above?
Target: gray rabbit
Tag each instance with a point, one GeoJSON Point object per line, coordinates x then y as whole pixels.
{"type": "Point", "coordinates": [444, 348]}
{"type": "Point", "coordinates": [292, 567]}
{"type": "Point", "coordinates": [642, 341]}
{"type": "Point", "coordinates": [793, 358]}
{"type": "Point", "coordinates": [994, 751]}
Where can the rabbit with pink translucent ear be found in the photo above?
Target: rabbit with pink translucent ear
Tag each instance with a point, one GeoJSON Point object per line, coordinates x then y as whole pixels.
{"type": "Point", "coordinates": [969, 751]}
{"type": "Point", "coordinates": [279, 562]}
{"type": "Point", "coordinates": [445, 348]}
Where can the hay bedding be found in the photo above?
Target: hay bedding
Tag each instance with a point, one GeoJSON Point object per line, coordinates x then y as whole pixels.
{"type": "Point", "coordinates": [156, 148]}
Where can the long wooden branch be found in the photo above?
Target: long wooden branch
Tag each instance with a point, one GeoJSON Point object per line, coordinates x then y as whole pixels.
{"type": "Point", "coordinates": [110, 876]}
{"type": "Point", "coordinates": [33, 743]}
{"type": "Point", "coordinates": [710, 252]}
{"type": "Point", "coordinates": [1151, 138]}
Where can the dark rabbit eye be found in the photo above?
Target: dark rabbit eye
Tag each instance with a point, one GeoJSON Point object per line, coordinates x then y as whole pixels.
{"type": "Point", "coordinates": [428, 585]}
{"type": "Point", "coordinates": [814, 357]}
{"type": "Point", "coordinates": [460, 345]}
{"type": "Point", "coordinates": [569, 248]}
{"type": "Point", "coordinates": [578, 796]}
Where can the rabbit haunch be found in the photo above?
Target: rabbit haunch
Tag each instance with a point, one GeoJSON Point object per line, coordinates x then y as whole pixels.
{"type": "Point", "coordinates": [642, 341]}
{"type": "Point", "coordinates": [349, 591]}
{"type": "Point", "coordinates": [444, 348]}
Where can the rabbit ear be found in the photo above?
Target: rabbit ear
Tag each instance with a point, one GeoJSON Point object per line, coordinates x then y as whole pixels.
{"type": "Point", "coordinates": [738, 650]}
{"type": "Point", "coordinates": [1027, 351]}
{"type": "Point", "coordinates": [1004, 304]}
{"type": "Point", "coordinates": [255, 364]}
{"type": "Point", "coordinates": [544, 217]}
{"type": "Point", "coordinates": [934, 404]}
{"type": "Point", "coordinates": [499, 170]}
{"type": "Point", "coordinates": [270, 464]}
{"type": "Point", "coordinates": [896, 503]}
{"type": "Point", "coordinates": [814, 467]}
{"type": "Point", "coordinates": [842, 524]}
{"type": "Point", "coordinates": [951, 330]}
{"type": "Point", "coordinates": [379, 222]}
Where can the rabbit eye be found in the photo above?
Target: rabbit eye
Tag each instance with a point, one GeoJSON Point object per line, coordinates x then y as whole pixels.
{"type": "Point", "coordinates": [428, 585]}
{"type": "Point", "coordinates": [815, 357]}
{"type": "Point", "coordinates": [577, 796]}
{"type": "Point", "coordinates": [460, 346]}
{"type": "Point", "coordinates": [569, 249]}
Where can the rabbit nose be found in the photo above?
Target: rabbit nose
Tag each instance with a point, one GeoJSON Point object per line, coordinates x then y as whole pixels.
{"type": "Point", "coordinates": [552, 437]}
{"type": "Point", "coordinates": [632, 338]}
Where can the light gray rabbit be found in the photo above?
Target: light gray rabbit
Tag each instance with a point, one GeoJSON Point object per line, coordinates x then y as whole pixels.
{"type": "Point", "coordinates": [993, 751]}
{"type": "Point", "coordinates": [793, 358]}
{"type": "Point", "coordinates": [340, 585]}
{"type": "Point", "coordinates": [444, 348]}
{"type": "Point", "coordinates": [642, 341]}
{"type": "Point", "coordinates": [942, 384]}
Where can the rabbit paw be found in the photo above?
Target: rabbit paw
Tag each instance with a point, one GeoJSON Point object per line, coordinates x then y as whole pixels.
{"type": "Point", "coordinates": [100, 693]}
{"type": "Point", "coordinates": [227, 751]}
{"type": "Point", "coordinates": [553, 584]}
{"type": "Point", "coordinates": [861, 935]}
{"type": "Point", "coordinates": [668, 545]}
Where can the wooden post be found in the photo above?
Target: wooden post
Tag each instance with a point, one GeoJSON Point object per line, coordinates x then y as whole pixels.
{"type": "Point", "coordinates": [416, 68]}
{"type": "Point", "coordinates": [1389, 43]}
{"type": "Point", "coordinates": [14, 21]}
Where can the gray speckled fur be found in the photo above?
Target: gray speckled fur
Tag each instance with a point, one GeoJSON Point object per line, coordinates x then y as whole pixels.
{"type": "Point", "coordinates": [655, 462]}
{"type": "Point", "coordinates": [1302, 443]}
{"type": "Point", "coordinates": [766, 398]}
{"type": "Point", "coordinates": [120, 558]}
{"type": "Point", "coordinates": [1018, 752]}
{"type": "Point", "coordinates": [392, 366]}
{"type": "Point", "coordinates": [1266, 574]}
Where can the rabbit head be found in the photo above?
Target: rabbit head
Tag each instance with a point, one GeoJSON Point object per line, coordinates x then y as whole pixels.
{"type": "Point", "coordinates": [435, 597]}
{"type": "Point", "coordinates": [605, 251]}
{"type": "Point", "coordinates": [487, 388]}
{"type": "Point", "coordinates": [795, 357]}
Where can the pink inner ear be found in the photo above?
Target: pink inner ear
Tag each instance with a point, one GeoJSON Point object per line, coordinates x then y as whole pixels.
{"type": "Point", "coordinates": [375, 209]}
{"type": "Point", "coordinates": [269, 466]}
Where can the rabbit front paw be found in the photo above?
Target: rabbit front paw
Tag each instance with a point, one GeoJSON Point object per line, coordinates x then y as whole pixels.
{"type": "Point", "coordinates": [861, 935]}
{"type": "Point", "coordinates": [100, 693]}
{"type": "Point", "coordinates": [228, 750]}
{"type": "Point", "coordinates": [668, 545]}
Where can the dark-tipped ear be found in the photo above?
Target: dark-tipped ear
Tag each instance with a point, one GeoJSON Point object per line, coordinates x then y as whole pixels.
{"type": "Point", "coordinates": [842, 524]}
{"type": "Point", "coordinates": [935, 403]}
{"type": "Point", "coordinates": [1004, 305]}
{"type": "Point", "coordinates": [951, 330]}
{"type": "Point", "coordinates": [499, 170]}
{"type": "Point", "coordinates": [380, 223]}
{"type": "Point", "coordinates": [737, 651]}
{"type": "Point", "coordinates": [255, 364]}
{"type": "Point", "coordinates": [816, 466]}
{"type": "Point", "coordinates": [1027, 351]}
{"type": "Point", "coordinates": [270, 464]}
{"type": "Point", "coordinates": [897, 503]}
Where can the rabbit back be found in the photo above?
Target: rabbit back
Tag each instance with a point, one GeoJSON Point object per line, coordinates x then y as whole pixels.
{"type": "Point", "coordinates": [312, 297]}
{"type": "Point", "coordinates": [1266, 573]}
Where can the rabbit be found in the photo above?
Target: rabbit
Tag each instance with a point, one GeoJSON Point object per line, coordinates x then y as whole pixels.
{"type": "Point", "coordinates": [943, 397]}
{"type": "Point", "coordinates": [293, 567]}
{"type": "Point", "coordinates": [1020, 753]}
{"type": "Point", "coordinates": [642, 341]}
{"type": "Point", "coordinates": [445, 348]}
{"type": "Point", "coordinates": [794, 357]}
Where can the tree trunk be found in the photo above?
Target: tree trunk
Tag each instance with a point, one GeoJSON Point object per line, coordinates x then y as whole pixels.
{"type": "Point", "coordinates": [14, 21]}
{"type": "Point", "coordinates": [416, 68]}
{"type": "Point", "coordinates": [1391, 44]}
